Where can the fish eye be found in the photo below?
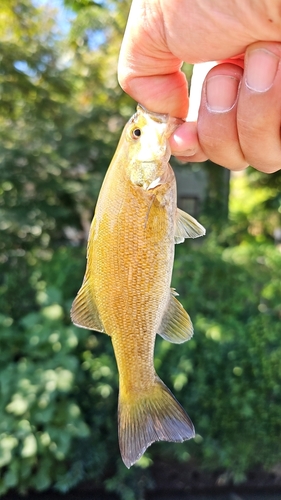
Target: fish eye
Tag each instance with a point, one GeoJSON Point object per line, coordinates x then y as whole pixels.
{"type": "Point", "coordinates": [136, 133]}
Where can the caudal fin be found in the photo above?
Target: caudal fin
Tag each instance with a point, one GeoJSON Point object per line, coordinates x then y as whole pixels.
{"type": "Point", "coordinates": [155, 415]}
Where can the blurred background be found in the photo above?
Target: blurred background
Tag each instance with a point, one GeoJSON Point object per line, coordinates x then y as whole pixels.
{"type": "Point", "coordinates": [61, 114]}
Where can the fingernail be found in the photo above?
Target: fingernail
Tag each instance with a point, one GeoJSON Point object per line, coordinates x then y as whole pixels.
{"type": "Point", "coordinates": [181, 155]}
{"type": "Point", "coordinates": [261, 68]}
{"type": "Point", "coordinates": [221, 92]}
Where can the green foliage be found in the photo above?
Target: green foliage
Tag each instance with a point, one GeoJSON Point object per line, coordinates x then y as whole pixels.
{"type": "Point", "coordinates": [46, 369]}
{"type": "Point", "coordinates": [229, 375]}
{"type": "Point", "coordinates": [61, 112]}
{"type": "Point", "coordinates": [255, 207]}
{"type": "Point", "coordinates": [59, 383]}
{"type": "Point", "coordinates": [57, 138]}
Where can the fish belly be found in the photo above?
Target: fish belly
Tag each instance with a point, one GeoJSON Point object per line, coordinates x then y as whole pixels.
{"type": "Point", "coordinates": [131, 278]}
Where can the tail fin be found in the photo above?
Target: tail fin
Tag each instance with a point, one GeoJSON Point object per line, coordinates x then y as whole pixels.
{"type": "Point", "coordinates": [155, 415]}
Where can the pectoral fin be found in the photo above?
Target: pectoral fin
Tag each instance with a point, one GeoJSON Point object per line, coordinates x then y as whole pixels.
{"type": "Point", "coordinates": [176, 324]}
{"type": "Point", "coordinates": [187, 227]}
{"type": "Point", "coordinates": [84, 311]}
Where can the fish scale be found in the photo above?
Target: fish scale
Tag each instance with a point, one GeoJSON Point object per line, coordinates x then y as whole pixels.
{"type": "Point", "coordinates": [126, 289]}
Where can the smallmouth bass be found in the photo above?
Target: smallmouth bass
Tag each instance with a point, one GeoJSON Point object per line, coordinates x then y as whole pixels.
{"type": "Point", "coordinates": [126, 289]}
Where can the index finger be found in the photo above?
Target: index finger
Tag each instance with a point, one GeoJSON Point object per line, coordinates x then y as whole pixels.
{"type": "Point", "coordinates": [147, 70]}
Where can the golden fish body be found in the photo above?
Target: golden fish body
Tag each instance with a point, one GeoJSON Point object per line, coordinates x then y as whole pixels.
{"type": "Point", "coordinates": [126, 289]}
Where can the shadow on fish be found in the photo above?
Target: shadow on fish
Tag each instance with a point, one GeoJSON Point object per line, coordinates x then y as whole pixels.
{"type": "Point", "coordinates": [126, 289]}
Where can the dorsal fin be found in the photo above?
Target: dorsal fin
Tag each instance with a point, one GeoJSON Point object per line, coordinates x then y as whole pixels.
{"type": "Point", "coordinates": [176, 324]}
{"type": "Point", "coordinates": [84, 311]}
{"type": "Point", "coordinates": [187, 227]}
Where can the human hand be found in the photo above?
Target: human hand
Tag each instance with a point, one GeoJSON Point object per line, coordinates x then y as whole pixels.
{"type": "Point", "coordinates": [240, 113]}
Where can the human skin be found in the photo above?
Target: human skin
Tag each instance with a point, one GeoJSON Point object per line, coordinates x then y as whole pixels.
{"type": "Point", "coordinates": [240, 112]}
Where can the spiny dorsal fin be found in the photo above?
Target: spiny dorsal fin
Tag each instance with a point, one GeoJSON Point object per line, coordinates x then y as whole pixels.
{"type": "Point", "coordinates": [84, 311]}
{"type": "Point", "coordinates": [176, 324]}
{"type": "Point", "coordinates": [187, 227]}
{"type": "Point", "coordinates": [152, 415]}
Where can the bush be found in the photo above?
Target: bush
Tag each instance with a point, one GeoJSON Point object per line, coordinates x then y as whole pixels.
{"type": "Point", "coordinates": [53, 391]}
{"type": "Point", "coordinates": [228, 376]}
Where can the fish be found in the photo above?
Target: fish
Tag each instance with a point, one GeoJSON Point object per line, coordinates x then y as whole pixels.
{"type": "Point", "coordinates": [126, 292]}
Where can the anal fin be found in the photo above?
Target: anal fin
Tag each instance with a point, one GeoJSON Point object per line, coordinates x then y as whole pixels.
{"type": "Point", "coordinates": [84, 311]}
{"type": "Point", "coordinates": [176, 325]}
{"type": "Point", "coordinates": [187, 227]}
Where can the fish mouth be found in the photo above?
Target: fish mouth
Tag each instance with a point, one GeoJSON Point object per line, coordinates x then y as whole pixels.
{"type": "Point", "coordinates": [172, 122]}
{"type": "Point", "coordinates": [158, 117]}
